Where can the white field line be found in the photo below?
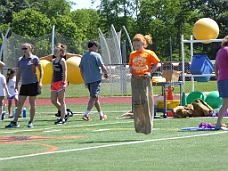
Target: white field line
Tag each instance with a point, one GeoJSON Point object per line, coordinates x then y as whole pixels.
{"type": "Point", "coordinates": [15, 130]}
{"type": "Point", "coordinates": [80, 113]}
{"type": "Point", "coordinates": [111, 145]}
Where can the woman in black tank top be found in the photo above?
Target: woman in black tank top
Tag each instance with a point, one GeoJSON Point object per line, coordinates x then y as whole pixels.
{"type": "Point", "coordinates": [59, 83]}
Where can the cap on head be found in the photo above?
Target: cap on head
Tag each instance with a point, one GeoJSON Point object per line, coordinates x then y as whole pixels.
{"type": "Point", "coordinates": [92, 43]}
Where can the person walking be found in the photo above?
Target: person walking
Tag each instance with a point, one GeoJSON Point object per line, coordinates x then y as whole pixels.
{"type": "Point", "coordinates": [142, 63]}
{"type": "Point", "coordinates": [30, 85]}
{"type": "Point", "coordinates": [3, 90]}
{"type": "Point", "coordinates": [221, 70]}
{"type": "Point", "coordinates": [59, 83]}
{"type": "Point", "coordinates": [91, 68]}
{"type": "Point", "coordinates": [11, 81]}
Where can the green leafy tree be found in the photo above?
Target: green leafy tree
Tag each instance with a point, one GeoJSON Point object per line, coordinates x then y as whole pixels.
{"type": "Point", "coordinates": [7, 8]}
{"type": "Point", "coordinates": [49, 7]}
{"type": "Point", "coordinates": [88, 21]}
{"type": "Point", "coordinates": [30, 23]}
{"type": "Point", "coordinates": [52, 8]}
{"type": "Point", "coordinates": [69, 33]}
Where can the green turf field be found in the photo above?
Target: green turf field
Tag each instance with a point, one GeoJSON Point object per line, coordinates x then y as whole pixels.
{"type": "Point", "coordinates": [110, 145]}
{"type": "Point", "coordinates": [113, 89]}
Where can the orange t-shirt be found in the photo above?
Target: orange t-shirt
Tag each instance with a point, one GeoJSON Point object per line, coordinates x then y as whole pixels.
{"type": "Point", "coordinates": [141, 61]}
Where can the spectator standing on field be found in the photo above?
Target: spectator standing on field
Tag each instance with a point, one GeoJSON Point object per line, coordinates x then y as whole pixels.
{"type": "Point", "coordinates": [3, 90]}
{"type": "Point", "coordinates": [66, 56]}
{"type": "Point", "coordinates": [221, 72]}
{"type": "Point", "coordinates": [59, 83]}
{"type": "Point", "coordinates": [30, 85]}
{"type": "Point", "coordinates": [92, 69]}
{"type": "Point", "coordinates": [11, 81]}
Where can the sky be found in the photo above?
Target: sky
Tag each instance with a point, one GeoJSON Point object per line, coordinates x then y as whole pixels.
{"type": "Point", "coordinates": [84, 4]}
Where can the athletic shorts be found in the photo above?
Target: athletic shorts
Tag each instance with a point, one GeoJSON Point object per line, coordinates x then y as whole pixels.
{"type": "Point", "coordinates": [94, 88]}
{"type": "Point", "coordinates": [14, 96]}
{"type": "Point", "coordinates": [30, 90]}
{"type": "Point", "coordinates": [223, 88]}
{"type": "Point", "coordinates": [57, 86]}
{"type": "Point", "coordinates": [1, 100]}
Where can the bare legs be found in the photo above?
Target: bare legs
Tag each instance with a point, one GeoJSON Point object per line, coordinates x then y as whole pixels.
{"type": "Point", "coordinates": [94, 101]}
{"type": "Point", "coordinates": [21, 101]}
{"type": "Point", "coordinates": [222, 111]}
{"type": "Point", "coordinates": [58, 99]}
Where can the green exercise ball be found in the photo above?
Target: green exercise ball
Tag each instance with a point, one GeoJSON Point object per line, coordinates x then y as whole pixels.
{"type": "Point", "coordinates": [214, 100]}
{"type": "Point", "coordinates": [195, 95]}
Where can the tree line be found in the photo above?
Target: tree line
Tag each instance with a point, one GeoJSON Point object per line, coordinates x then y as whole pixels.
{"type": "Point", "coordinates": [164, 20]}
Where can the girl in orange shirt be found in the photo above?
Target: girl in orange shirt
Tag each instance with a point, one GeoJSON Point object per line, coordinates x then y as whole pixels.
{"type": "Point", "coordinates": [142, 63]}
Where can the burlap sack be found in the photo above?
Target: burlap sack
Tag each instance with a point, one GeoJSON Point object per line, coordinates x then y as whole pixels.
{"type": "Point", "coordinates": [183, 111]}
{"type": "Point", "coordinates": [201, 108]}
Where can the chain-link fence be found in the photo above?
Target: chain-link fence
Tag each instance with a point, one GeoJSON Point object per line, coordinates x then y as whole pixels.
{"type": "Point", "coordinates": [118, 83]}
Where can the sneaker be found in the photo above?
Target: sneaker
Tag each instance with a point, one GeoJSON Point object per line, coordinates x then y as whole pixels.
{"type": "Point", "coordinates": [221, 127]}
{"type": "Point", "coordinates": [10, 116]}
{"type": "Point", "coordinates": [70, 112]}
{"type": "Point", "coordinates": [58, 114]}
{"type": "Point", "coordinates": [60, 122]}
{"type": "Point", "coordinates": [86, 118]}
{"type": "Point", "coordinates": [103, 117]}
{"type": "Point", "coordinates": [3, 116]}
{"type": "Point", "coordinates": [12, 125]}
{"type": "Point", "coordinates": [67, 116]}
{"type": "Point", "coordinates": [30, 124]}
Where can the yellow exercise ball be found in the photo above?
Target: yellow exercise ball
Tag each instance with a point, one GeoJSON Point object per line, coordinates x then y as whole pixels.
{"type": "Point", "coordinates": [73, 70]}
{"type": "Point", "coordinates": [205, 29]}
{"type": "Point", "coordinates": [47, 71]}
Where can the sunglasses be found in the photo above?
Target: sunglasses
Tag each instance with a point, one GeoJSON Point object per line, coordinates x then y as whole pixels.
{"type": "Point", "coordinates": [24, 48]}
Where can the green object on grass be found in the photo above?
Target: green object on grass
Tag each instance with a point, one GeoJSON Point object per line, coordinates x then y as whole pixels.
{"type": "Point", "coordinates": [195, 95]}
{"type": "Point", "coordinates": [214, 100]}
{"type": "Point", "coordinates": [183, 100]}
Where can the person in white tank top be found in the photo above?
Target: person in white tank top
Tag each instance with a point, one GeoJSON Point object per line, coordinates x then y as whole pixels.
{"type": "Point", "coordinates": [11, 80]}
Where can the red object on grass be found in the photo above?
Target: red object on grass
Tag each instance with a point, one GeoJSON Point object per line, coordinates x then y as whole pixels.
{"type": "Point", "coordinates": [169, 97]}
{"type": "Point", "coordinates": [169, 93]}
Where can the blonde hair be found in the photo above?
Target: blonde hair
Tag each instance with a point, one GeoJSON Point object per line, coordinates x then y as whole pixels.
{"type": "Point", "coordinates": [144, 39]}
{"type": "Point", "coordinates": [225, 41]}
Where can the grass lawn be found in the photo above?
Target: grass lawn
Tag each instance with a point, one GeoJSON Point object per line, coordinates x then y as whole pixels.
{"type": "Point", "coordinates": [113, 89]}
{"type": "Point", "coordinates": [110, 145]}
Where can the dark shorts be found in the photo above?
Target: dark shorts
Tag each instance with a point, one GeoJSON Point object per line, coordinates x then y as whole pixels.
{"type": "Point", "coordinates": [223, 88]}
{"type": "Point", "coordinates": [1, 100]}
{"type": "Point", "coordinates": [30, 90]}
{"type": "Point", "coordinates": [94, 88]}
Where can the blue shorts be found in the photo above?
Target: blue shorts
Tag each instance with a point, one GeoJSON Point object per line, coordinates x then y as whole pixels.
{"type": "Point", "coordinates": [94, 88]}
{"type": "Point", "coordinates": [223, 88]}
